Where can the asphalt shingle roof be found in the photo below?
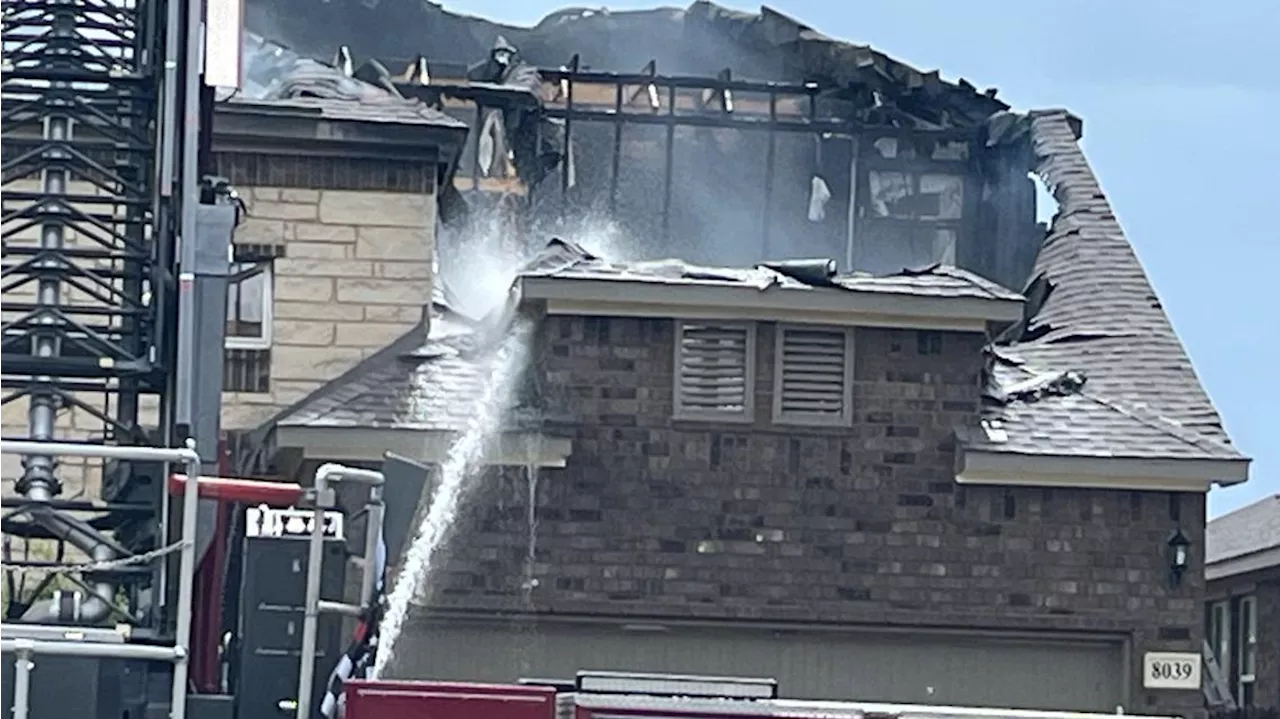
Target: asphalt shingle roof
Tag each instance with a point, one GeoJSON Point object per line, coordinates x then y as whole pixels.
{"type": "Point", "coordinates": [1248, 530]}
{"type": "Point", "coordinates": [278, 79]}
{"type": "Point", "coordinates": [568, 261]}
{"type": "Point", "coordinates": [428, 385]}
{"type": "Point", "coordinates": [1093, 311]}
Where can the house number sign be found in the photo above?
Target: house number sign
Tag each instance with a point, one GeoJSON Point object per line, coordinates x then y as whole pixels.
{"type": "Point", "coordinates": [1171, 670]}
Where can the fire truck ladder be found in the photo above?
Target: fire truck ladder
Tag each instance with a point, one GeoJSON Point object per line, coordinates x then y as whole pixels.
{"type": "Point", "coordinates": [98, 184]}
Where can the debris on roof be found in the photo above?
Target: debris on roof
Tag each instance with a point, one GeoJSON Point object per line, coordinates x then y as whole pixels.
{"type": "Point", "coordinates": [699, 41]}
{"type": "Point", "coordinates": [565, 260]}
{"type": "Point", "coordinates": [276, 77]}
{"type": "Point", "coordinates": [1094, 369]}
{"type": "Point", "coordinates": [1039, 386]}
{"type": "Point", "coordinates": [1094, 315]}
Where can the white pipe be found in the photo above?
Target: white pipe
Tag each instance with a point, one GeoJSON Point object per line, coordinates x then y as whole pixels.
{"type": "Point", "coordinates": [185, 455]}
{"type": "Point", "coordinates": [372, 536]}
{"type": "Point", "coordinates": [315, 558]}
{"type": "Point", "coordinates": [311, 602]}
{"type": "Point", "coordinates": [102, 650]}
{"type": "Point", "coordinates": [22, 667]}
{"type": "Point", "coordinates": [186, 582]}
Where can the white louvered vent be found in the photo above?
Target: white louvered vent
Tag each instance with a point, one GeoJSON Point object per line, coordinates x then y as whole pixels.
{"type": "Point", "coordinates": [714, 370]}
{"type": "Point", "coordinates": [814, 375]}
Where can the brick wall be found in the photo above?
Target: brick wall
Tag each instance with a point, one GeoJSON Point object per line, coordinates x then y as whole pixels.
{"type": "Point", "coordinates": [864, 524]}
{"type": "Point", "coordinates": [1264, 586]}
{"type": "Point", "coordinates": [1268, 671]}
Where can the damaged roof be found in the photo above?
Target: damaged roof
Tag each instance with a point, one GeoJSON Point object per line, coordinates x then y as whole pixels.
{"type": "Point", "coordinates": [428, 383]}
{"type": "Point", "coordinates": [1246, 531]}
{"type": "Point", "coordinates": [1092, 312]}
{"type": "Point", "coordinates": [565, 260]}
{"type": "Point", "coordinates": [701, 40]}
{"type": "Point", "coordinates": [279, 80]}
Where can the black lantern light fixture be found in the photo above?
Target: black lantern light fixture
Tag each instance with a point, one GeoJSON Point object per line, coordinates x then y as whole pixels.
{"type": "Point", "coordinates": [1179, 554]}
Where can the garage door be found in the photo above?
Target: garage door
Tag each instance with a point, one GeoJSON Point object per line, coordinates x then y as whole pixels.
{"type": "Point", "coordinates": [891, 667]}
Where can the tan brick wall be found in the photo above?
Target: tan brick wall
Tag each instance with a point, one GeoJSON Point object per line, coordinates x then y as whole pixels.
{"type": "Point", "coordinates": [355, 275]}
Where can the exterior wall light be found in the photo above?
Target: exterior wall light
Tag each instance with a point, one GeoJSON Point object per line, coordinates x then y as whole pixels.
{"type": "Point", "coordinates": [1179, 555]}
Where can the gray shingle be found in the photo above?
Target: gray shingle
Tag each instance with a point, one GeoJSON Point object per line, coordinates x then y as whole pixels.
{"type": "Point", "coordinates": [386, 109]}
{"type": "Point", "coordinates": [567, 261]}
{"type": "Point", "coordinates": [1247, 530]}
{"type": "Point", "coordinates": [1100, 317]}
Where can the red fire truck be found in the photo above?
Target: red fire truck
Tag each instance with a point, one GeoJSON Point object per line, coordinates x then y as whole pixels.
{"type": "Point", "coordinates": [613, 695]}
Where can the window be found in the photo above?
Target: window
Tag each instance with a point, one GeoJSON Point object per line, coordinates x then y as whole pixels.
{"type": "Point", "coordinates": [1232, 633]}
{"type": "Point", "coordinates": [1247, 654]}
{"type": "Point", "coordinates": [246, 360]}
{"type": "Point", "coordinates": [813, 376]}
{"type": "Point", "coordinates": [249, 306]}
{"type": "Point", "coordinates": [715, 371]}
{"type": "Point", "coordinates": [1218, 634]}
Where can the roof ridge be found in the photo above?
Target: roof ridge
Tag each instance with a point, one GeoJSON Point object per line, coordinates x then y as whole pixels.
{"type": "Point", "coordinates": [1273, 497]}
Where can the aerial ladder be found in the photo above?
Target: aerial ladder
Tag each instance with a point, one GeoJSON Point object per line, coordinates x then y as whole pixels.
{"type": "Point", "coordinates": [116, 251]}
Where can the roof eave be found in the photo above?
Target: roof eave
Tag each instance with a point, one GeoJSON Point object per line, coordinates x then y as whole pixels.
{"type": "Point", "coordinates": [984, 466]}
{"type": "Point", "coordinates": [289, 130]}
{"type": "Point", "coordinates": [628, 298]}
{"type": "Point", "coordinates": [1242, 564]}
{"type": "Point", "coordinates": [368, 444]}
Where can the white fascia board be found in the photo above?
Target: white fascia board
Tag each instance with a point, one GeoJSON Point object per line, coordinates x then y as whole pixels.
{"type": "Point", "coordinates": [980, 467]}
{"type": "Point", "coordinates": [624, 298]}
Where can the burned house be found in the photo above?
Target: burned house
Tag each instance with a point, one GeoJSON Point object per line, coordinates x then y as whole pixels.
{"type": "Point", "coordinates": [963, 460]}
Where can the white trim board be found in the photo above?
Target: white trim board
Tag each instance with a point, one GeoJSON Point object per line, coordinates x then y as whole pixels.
{"type": "Point", "coordinates": [370, 444]}
{"type": "Point", "coordinates": [838, 307]}
{"type": "Point", "coordinates": [1169, 475]}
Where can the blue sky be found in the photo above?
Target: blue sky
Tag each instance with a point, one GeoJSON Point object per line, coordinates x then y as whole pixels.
{"type": "Point", "coordinates": [1180, 102]}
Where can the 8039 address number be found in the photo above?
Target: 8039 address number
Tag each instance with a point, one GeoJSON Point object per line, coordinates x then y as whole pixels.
{"type": "Point", "coordinates": [1171, 670]}
{"type": "Point", "coordinates": [1177, 671]}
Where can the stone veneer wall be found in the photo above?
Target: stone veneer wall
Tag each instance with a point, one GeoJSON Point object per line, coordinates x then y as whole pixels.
{"type": "Point", "coordinates": [358, 237]}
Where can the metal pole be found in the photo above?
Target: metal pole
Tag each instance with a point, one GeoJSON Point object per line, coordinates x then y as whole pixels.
{"type": "Point", "coordinates": [38, 479]}
{"type": "Point", "coordinates": [169, 96]}
{"type": "Point", "coordinates": [311, 601]}
{"type": "Point", "coordinates": [100, 650]}
{"type": "Point", "coordinates": [189, 198]}
{"type": "Point", "coordinates": [372, 534]}
{"type": "Point", "coordinates": [22, 667]}
{"type": "Point", "coordinates": [315, 558]}
{"type": "Point", "coordinates": [186, 584]}
{"type": "Point", "coordinates": [185, 455]}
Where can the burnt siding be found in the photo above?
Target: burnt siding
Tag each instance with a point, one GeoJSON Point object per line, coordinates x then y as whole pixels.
{"type": "Point", "coordinates": [861, 524]}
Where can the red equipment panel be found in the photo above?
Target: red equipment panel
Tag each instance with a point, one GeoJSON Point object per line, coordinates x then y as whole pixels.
{"type": "Point", "coordinates": [444, 700]}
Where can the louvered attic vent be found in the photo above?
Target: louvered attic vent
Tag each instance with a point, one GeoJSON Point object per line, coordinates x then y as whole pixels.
{"type": "Point", "coordinates": [814, 377]}
{"type": "Point", "coordinates": [714, 370]}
